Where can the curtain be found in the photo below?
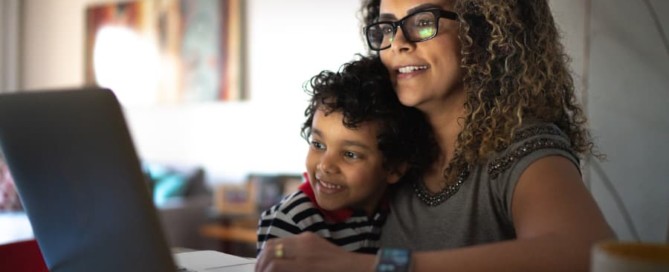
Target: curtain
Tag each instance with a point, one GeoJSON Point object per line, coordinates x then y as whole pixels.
{"type": "Point", "coordinates": [9, 70]}
{"type": "Point", "coordinates": [9, 45]}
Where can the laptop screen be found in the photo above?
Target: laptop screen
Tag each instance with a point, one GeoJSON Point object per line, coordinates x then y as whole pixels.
{"type": "Point", "coordinates": [80, 181]}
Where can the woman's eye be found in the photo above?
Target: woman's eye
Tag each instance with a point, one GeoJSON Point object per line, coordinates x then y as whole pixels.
{"type": "Point", "coordinates": [424, 23]}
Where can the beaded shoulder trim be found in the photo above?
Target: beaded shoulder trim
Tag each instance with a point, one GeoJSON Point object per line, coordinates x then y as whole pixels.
{"type": "Point", "coordinates": [502, 164]}
{"type": "Point", "coordinates": [536, 130]}
{"type": "Point", "coordinates": [435, 199]}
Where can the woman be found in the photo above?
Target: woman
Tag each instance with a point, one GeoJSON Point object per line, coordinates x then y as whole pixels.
{"type": "Point", "coordinates": [506, 192]}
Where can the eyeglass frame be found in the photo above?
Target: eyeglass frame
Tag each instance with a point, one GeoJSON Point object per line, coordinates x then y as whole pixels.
{"type": "Point", "coordinates": [437, 12]}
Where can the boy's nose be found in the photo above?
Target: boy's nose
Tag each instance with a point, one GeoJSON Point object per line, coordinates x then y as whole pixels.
{"type": "Point", "coordinates": [327, 165]}
{"type": "Point", "coordinates": [325, 168]}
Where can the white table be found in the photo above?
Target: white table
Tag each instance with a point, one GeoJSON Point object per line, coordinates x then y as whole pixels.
{"type": "Point", "coordinates": [14, 227]}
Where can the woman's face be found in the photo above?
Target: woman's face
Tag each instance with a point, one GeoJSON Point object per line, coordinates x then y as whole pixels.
{"type": "Point", "coordinates": [427, 74]}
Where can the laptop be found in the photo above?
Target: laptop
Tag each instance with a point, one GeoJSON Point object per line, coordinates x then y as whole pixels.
{"type": "Point", "coordinates": [80, 181]}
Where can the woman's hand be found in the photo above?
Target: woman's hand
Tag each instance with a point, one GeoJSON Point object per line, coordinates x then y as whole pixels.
{"type": "Point", "coordinates": [309, 252]}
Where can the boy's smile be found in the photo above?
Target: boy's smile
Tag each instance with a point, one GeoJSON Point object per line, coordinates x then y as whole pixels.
{"type": "Point", "coordinates": [326, 187]}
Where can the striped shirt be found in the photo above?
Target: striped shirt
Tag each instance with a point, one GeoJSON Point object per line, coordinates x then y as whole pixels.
{"type": "Point", "coordinates": [352, 230]}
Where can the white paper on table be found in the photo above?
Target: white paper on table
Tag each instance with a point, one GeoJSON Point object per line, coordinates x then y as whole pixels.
{"type": "Point", "coordinates": [210, 261]}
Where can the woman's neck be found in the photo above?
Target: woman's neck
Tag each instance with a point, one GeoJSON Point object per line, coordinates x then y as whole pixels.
{"type": "Point", "coordinates": [447, 120]}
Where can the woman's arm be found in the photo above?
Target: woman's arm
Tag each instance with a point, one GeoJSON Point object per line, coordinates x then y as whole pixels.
{"type": "Point", "coordinates": [556, 219]}
{"type": "Point", "coordinates": [310, 252]}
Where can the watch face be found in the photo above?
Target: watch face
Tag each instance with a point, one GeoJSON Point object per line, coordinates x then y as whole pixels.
{"type": "Point", "coordinates": [394, 260]}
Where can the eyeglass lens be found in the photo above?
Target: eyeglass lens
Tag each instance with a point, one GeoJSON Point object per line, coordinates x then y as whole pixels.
{"type": "Point", "coordinates": [417, 27]}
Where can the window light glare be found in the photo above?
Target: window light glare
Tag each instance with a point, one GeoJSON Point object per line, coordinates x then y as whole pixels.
{"type": "Point", "coordinates": [126, 63]}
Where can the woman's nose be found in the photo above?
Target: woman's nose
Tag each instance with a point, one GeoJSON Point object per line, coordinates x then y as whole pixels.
{"type": "Point", "coordinates": [400, 43]}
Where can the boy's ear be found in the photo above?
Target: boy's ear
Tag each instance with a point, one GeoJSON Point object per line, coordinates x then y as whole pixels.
{"type": "Point", "coordinates": [397, 172]}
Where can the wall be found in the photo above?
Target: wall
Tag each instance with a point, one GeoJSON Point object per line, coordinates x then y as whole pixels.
{"type": "Point", "coordinates": [9, 42]}
{"type": "Point", "coordinates": [627, 98]}
{"type": "Point", "coordinates": [620, 64]}
{"type": "Point", "coordinates": [622, 67]}
{"type": "Point", "coordinates": [287, 45]}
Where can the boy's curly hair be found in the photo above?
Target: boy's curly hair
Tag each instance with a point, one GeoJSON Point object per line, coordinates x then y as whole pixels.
{"type": "Point", "coordinates": [361, 90]}
{"type": "Point", "coordinates": [515, 69]}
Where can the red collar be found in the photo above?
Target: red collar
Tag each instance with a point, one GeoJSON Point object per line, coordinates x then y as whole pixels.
{"type": "Point", "coordinates": [340, 215]}
{"type": "Point", "coordinates": [337, 216]}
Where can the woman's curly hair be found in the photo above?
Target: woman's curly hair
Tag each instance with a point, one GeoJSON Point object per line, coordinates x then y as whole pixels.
{"type": "Point", "coordinates": [361, 90]}
{"type": "Point", "coordinates": [515, 69]}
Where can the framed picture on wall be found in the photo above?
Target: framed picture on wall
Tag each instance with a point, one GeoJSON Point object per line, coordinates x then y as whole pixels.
{"type": "Point", "coordinates": [166, 51]}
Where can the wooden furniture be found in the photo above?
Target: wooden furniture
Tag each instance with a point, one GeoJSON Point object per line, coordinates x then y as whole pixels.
{"type": "Point", "coordinates": [235, 233]}
{"type": "Point", "coordinates": [230, 233]}
{"type": "Point", "coordinates": [237, 208]}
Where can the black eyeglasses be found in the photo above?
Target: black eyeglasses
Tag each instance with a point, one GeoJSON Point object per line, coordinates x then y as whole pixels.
{"type": "Point", "coordinates": [416, 27]}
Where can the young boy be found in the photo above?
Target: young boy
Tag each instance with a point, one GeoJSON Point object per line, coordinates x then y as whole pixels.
{"type": "Point", "coordinates": [361, 141]}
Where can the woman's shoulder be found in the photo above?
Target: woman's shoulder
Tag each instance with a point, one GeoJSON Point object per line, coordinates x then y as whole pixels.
{"type": "Point", "coordinates": [532, 141]}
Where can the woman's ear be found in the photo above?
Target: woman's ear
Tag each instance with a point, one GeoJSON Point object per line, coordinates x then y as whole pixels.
{"type": "Point", "coordinates": [397, 172]}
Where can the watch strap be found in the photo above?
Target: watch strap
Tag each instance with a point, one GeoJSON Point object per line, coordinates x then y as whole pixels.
{"type": "Point", "coordinates": [391, 259]}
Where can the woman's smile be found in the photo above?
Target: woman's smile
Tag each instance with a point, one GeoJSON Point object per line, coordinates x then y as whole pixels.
{"type": "Point", "coordinates": [409, 71]}
{"type": "Point", "coordinates": [411, 68]}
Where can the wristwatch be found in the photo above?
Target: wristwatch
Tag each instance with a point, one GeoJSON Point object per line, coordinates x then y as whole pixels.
{"type": "Point", "coordinates": [393, 260]}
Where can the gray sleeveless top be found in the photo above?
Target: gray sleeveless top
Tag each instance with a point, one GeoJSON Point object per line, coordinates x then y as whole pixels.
{"type": "Point", "coordinates": [480, 212]}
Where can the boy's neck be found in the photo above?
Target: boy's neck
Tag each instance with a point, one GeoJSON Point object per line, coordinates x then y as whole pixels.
{"type": "Point", "coordinates": [335, 216]}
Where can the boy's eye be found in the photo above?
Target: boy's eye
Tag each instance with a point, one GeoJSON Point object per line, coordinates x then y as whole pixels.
{"type": "Point", "coordinates": [317, 145]}
{"type": "Point", "coordinates": [351, 155]}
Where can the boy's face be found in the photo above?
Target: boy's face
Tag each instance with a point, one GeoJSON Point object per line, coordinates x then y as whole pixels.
{"type": "Point", "coordinates": [345, 165]}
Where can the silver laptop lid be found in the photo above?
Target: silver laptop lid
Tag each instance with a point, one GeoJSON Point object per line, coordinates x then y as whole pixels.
{"type": "Point", "coordinates": [80, 181]}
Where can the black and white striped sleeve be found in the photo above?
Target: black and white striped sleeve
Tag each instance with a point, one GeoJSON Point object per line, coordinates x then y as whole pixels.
{"type": "Point", "coordinates": [287, 218]}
